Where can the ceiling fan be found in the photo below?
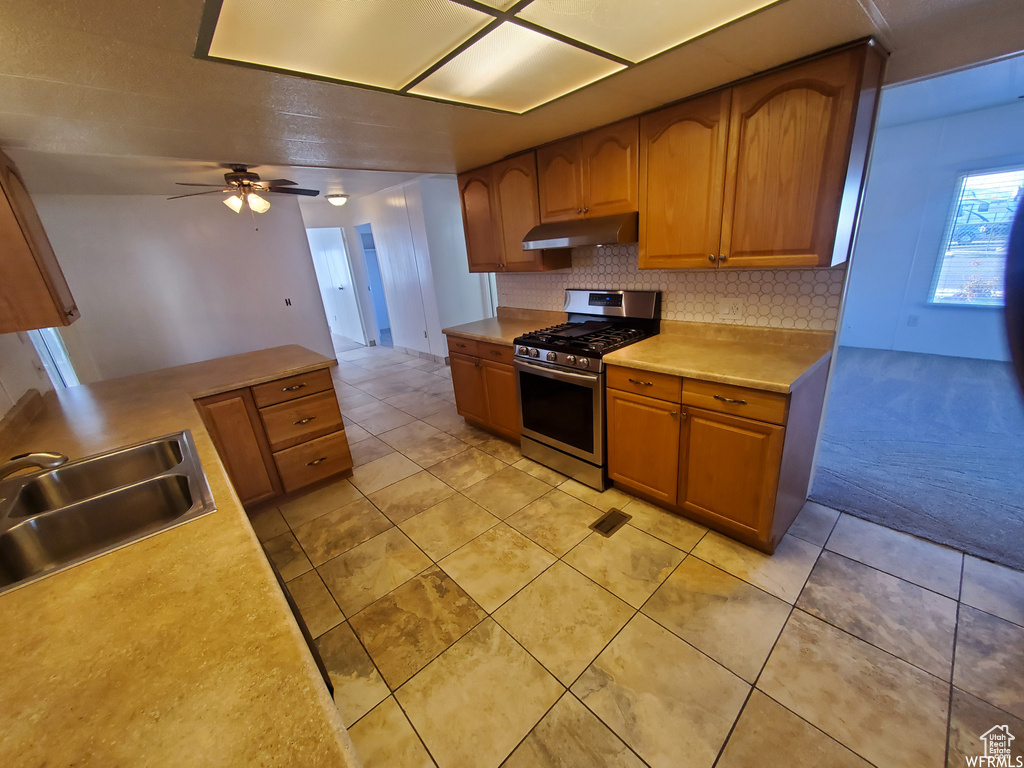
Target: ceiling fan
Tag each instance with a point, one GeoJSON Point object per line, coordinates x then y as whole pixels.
{"type": "Point", "coordinates": [244, 187]}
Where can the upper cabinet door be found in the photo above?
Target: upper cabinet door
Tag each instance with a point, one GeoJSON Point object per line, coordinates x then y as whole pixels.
{"type": "Point", "coordinates": [33, 291]}
{"type": "Point", "coordinates": [560, 173]}
{"type": "Point", "coordinates": [479, 220]}
{"type": "Point", "coordinates": [611, 169]}
{"type": "Point", "coordinates": [515, 182]}
{"type": "Point", "coordinates": [789, 146]}
{"type": "Point", "coordinates": [682, 177]}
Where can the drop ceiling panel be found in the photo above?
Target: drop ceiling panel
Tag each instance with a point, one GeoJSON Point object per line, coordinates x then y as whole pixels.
{"type": "Point", "coordinates": [636, 29]}
{"type": "Point", "coordinates": [515, 69]}
{"type": "Point", "coordinates": [383, 43]}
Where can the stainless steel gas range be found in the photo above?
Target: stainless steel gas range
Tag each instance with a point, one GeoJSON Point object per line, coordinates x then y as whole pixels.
{"type": "Point", "coordinates": [560, 378]}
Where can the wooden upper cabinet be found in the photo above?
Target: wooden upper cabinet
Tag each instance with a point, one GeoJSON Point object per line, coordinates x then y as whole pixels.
{"type": "Point", "coordinates": [33, 291]}
{"type": "Point", "coordinates": [611, 168]}
{"type": "Point", "coordinates": [560, 180]}
{"type": "Point", "coordinates": [480, 220]}
{"type": "Point", "coordinates": [515, 183]}
{"type": "Point", "coordinates": [789, 151]}
{"type": "Point", "coordinates": [595, 174]}
{"type": "Point", "coordinates": [682, 179]}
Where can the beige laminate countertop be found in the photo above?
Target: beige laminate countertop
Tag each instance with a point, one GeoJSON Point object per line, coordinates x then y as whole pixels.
{"type": "Point", "coordinates": [509, 323]}
{"type": "Point", "coordinates": [761, 358]}
{"type": "Point", "coordinates": [178, 650]}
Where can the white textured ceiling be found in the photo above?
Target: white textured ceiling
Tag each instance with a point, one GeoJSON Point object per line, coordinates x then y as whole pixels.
{"type": "Point", "coordinates": [117, 78]}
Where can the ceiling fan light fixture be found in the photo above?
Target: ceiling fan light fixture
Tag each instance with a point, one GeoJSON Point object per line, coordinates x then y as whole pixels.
{"type": "Point", "coordinates": [336, 199]}
{"type": "Point", "coordinates": [234, 202]}
{"type": "Point", "coordinates": [257, 204]}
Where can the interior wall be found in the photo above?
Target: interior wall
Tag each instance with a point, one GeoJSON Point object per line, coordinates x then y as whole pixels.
{"type": "Point", "coordinates": [462, 296]}
{"type": "Point", "coordinates": [162, 283]}
{"type": "Point", "coordinates": [20, 370]}
{"type": "Point", "coordinates": [911, 189]}
{"type": "Point", "coordinates": [417, 230]}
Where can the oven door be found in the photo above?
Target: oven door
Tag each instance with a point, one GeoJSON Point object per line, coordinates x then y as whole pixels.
{"type": "Point", "coordinates": [562, 409]}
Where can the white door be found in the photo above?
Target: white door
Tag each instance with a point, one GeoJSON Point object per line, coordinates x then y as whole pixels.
{"type": "Point", "coordinates": [330, 260]}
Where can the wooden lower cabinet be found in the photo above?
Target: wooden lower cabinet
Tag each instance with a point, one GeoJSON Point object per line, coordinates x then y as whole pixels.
{"type": "Point", "coordinates": [279, 436]}
{"type": "Point", "coordinates": [502, 398]}
{"type": "Point", "coordinates": [746, 477]}
{"type": "Point", "coordinates": [729, 470]}
{"type": "Point", "coordinates": [468, 382]}
{"type": "Point", "coordinates": [485, 389]}
{"type": "Point", "coordinates": [233, 422]}
{"type": "Point", "coordinates": [643, 444]}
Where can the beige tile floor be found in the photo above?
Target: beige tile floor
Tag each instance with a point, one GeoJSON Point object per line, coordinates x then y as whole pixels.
{"type": "Point", "coordinates": [470, 618]}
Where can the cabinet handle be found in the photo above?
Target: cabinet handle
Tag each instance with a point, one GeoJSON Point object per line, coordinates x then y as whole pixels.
{"type": "Point", "coordinates": [304, 421]}
{"type": "Point", "coordinates": [730, 400]}
{"type": "Point", "coordinates": [579, 210]}
{"type": "Point", "coordinates": [722, 257]}
{"type": "Point", "coordinates": [496, 352]}
{"type": "Point", "coordinates": [461, 346]}
{"type": "Point", "coordinates": [293, 388]}
{"type": "Point", "coordinates": [314, 462]}
{"type": "Point", "coordinates": [644, 383]}
{"type": "Point", "coordinates": [586, 209]}
{"type": "Point", "coordinates": [711, 258]}
{"type": "Point", "coordinates": [477, 363]}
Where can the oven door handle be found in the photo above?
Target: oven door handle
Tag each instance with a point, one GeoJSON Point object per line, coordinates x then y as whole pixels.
{"type": "Point", "coordinates": [554, 373]}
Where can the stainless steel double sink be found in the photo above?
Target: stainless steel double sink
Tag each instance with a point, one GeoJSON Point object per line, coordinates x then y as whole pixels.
{"type": "Point", "coordinates": [56, 518]}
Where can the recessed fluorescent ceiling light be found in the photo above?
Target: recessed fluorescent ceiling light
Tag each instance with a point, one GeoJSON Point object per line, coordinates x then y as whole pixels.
{"type": "Point", "coordinates": [498, 54]}
{"type": "Point", "coordinates": [383, 43]}
{"type": "Point", "coordinates": [636, 29]}
{"type": "Point", "coordinates": [515, 69]}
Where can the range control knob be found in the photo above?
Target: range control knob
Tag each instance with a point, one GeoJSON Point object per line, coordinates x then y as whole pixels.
{"type": "Point", "coordinates": [571, 359]}
{"type": "Point", "coordinates": [584, 362]}
{"type": "Point", "coordinates": [534, 353]}
{"type": "Point", "coordinates": [551, 356]}
{"type": "Point", "coordinates": [522, 351]}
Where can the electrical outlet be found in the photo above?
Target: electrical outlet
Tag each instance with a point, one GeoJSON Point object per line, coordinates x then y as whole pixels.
{"type": "Point", "coordinates": [729, 310]}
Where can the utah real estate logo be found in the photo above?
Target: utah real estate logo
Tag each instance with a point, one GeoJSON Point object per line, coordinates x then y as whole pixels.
{"type": "Point", "coordinates": [997, 741]}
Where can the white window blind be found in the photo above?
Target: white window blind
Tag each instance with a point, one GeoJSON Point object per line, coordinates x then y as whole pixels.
{"type": "Point", "coordinates": [973, 257]}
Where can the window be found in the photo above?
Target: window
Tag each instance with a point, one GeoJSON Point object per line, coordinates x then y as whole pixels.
{"type": "Point", "coordinates": [973, 255]}
{"type": "Point", "coordinates": [54, 357]}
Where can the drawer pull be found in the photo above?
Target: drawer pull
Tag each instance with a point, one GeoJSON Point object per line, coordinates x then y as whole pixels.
{"type": "Point", "coordinates": [314, 462]}
{"type": "Point", "coordinates": [292, 388]}
{"type": "Point", "coordinates": [730, 400]}
{"type": "Point", "coordinates": [496, 352]}
{"type": "Point", "coordinates": [304, 421]}
{"type": "Point", "coordinates": [461, 346]}
{"type": "Point", "coordinates": [644, 383]}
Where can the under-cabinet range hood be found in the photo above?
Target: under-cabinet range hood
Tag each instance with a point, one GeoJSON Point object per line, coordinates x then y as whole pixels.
{"type": "Point", "coordinates": [606, 230]}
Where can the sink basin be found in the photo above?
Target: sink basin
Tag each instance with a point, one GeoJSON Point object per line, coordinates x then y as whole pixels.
{"type": "Point", "coordinates": [61, 517]}
{"type": "Point", "coordinates": [95, 475]}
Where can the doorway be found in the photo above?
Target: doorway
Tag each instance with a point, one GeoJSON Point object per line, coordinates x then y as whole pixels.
{"type": "Point", "coordinates": [376, 284]}
{"type": "Point", "coordinates": [337, 289]}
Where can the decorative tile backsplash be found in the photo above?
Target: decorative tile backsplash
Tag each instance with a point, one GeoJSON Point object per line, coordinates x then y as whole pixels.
{"type": "Point", "coordinates": [772, 298]}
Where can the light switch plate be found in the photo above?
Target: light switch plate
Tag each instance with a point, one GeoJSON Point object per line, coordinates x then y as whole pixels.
{"type": "Point", "coordinates": [730, 310]}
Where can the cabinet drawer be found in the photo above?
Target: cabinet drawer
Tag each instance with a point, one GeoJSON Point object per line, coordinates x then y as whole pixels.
{"type": "Point", "coordinates": [740, 401]}
{"type": "Point", "coordinates": [462, 346]}
{"type": "Point", "coordinates": [297, 421]}
{"type": "Point", "coordinates": [308, 462]}
{"type": "Point", "coordinates": [279, 391]}
{"type": "Point", "coordinates": [498, 353]}
{"type": "Point", "coordinates": [660, 385]}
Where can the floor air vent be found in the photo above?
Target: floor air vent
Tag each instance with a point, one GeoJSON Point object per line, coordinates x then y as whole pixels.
{"type": "Point", "coordinates": [610, 522]}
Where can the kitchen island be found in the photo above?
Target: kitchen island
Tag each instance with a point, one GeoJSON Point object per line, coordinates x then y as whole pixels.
{"type": "Point", "coordinates": [177, 650]}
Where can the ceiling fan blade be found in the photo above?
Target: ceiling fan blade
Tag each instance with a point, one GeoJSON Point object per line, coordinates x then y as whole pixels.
{"type": "Point", "coordinates": [191, 184]}
{"type": "Point", "coordinates": [277, 182]}
{"type": "Point", "coordinates": [294, 191]}
{"type": "Point", "coordinates": [193, 194]}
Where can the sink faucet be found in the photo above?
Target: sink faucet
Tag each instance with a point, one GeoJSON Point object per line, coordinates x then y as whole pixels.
{"type": "Point", "coordinates": [42, 460]}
